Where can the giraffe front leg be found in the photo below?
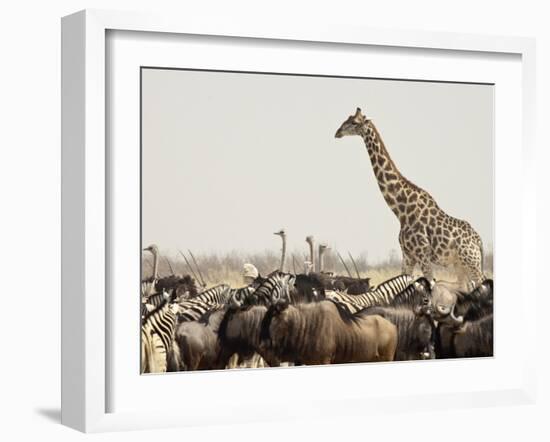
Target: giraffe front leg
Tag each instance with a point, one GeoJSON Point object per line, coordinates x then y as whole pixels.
{"type": "Point", "coordinates": [408, 264]}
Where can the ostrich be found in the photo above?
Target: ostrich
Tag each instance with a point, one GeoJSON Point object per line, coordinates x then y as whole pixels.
{"type": "Point", "coordinates": [322, 249]}
{"type": "Point", "coordinates": [150, 284]}
{"type": "Point", "coordinates": [311, 242]}
{"type": "Point", "coordinates": [308, 267]}
{"type": "Point", "coordinates": [282, 234]}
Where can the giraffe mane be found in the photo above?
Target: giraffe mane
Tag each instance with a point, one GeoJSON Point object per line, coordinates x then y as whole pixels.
{"type": "Point", "coordinates": [387, 155]}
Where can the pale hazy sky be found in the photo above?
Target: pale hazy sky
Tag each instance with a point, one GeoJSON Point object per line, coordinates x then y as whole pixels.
{"type": "Point", "coordinates": [229, 158]}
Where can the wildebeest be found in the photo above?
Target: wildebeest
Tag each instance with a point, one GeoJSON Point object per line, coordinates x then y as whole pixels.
{"type": "Point", "coordinates": [472, 335]}
{"type": "Point", "coordinates": [443, 299]}
{"type": "Point", "coordinates": [179, 287]}
{"type": "Point", "coordinates": [239, 333]}
{"type": "Point", "coordinates": [326, 333]}
{"type": "Point", "coordinates": [353, 286]}
{"type": "Point", "coordinates": [198, 341]}
{"type": "Point", "coordinates": [477, 303]}
{"type": "Point", "coordinates": [415, 330]}
{"type": "Point", "coordinates": [471, 339]}
{"type": "Point", "coordinates": [453, 306]}
{"type": "Point", "coordinates": [307, 288]}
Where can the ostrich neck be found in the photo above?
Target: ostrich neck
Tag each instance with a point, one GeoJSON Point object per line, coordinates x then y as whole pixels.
{"type": "Point", "coordinates": [155, 265]}
{"type": "Point", "coordinates": [283, 254]}
{"type": "Point", "coordinates": [312, 255]}
{"type": "Point", "coordinates": [321, 252]}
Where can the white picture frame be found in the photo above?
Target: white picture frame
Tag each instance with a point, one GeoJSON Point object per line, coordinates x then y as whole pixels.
{"type": "Point", "coordinates": [86, 203]}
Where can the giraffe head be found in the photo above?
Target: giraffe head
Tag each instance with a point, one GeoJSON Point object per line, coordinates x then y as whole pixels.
{"type": "Point", "coordinates": [352, 126]}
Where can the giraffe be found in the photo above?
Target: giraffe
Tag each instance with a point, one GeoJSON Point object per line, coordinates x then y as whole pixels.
{"type": "Point", "coordinates": [428, 235]}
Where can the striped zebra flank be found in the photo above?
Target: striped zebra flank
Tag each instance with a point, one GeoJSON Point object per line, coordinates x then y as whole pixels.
{"type": "Point", "coordinates": [219, 294]}
{"type": "Point", "coordinates": [275, 288]}
{"type": "Point", "coordinates": [415, 294]}
{"type": "Point", "coordinates": [193, 309]}
{"type": "Point", "coordinates": [158, 325]}
{"type": "Point", "coordinates": [239, 297]}
{"type": "Point", "coordinates": [152, 302]}
{"type": "Point", "coordinates": [381, 295]}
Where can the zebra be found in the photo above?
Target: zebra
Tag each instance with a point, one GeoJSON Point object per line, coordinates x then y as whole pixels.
{"type": "Point", "coordinates": [219, 294]}
{"type": "Point", "coordinates": [151, 302]}
{"type": "Point", "coordinates": [159, 353]}
{"type": "Point", "coordinates": [194, 309]}
{"type": "Point", "coordinates": [414, 295]}
{"type": "Point", "coordinates": [383, 294]}
{"type": "Point", "coordinates": [239, 297]}
{"type": "Point", "coordinates": [274, 289]}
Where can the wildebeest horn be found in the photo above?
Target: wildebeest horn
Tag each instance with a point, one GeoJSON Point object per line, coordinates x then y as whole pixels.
{"type": "Point", "coordinates": [455, 320]}
{"type": "Point", "coordinates": [354, 263]}
{"type": "Point", "coordinates": [189, 266]}
{"type": "Point", "coordinates": [203, 282]}
{"type": "Point", "coordinates": [169, 265]}
{"type": "Point", "coordinates": [344, 264]}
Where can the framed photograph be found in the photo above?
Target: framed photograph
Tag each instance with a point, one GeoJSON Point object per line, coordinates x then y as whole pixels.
{"type": "Point", "coordinates": [250, 211]}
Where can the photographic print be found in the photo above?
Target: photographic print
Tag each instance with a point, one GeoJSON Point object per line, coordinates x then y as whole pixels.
{"type": "Point", "coordinates": [292, 220]}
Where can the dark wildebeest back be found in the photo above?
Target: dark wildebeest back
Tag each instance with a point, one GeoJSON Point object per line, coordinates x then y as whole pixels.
{"type": "Point", "coordinates": [353, 286]}
{"type": "Point", "coordinates": [178, 287]}
{"type": "Point", "coordinates": [239, 333]}
{"type": "Point", "coordinates": [472, 339]}
{"type": "Point", "coordinates": [477, 303]}
{"type": "Point", "coordinates": [307, 288]}
{"type": "Point", "coordinates": [198, 341]}
{"type": "Point", "coordinates": [324, 333]}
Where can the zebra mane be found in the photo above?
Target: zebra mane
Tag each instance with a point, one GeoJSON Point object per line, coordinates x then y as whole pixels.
{"type": "Point", "coordinates": [157, 309]}
{"type": "Point", "coordinates": [403, 278]}
{"type": "Point", "coordinates": [345, 313]}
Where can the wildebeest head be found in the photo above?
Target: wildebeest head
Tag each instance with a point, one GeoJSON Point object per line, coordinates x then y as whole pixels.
{"type": "Point", "coordinates": [424, 329]}
{"type": "Point", "coordinates": [444, 298]}
{"type": "Point", "coordinates": [477, 303]}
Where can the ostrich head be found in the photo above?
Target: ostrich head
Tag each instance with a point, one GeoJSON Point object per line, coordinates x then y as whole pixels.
{"type": "Point", "coordinates": [352, 126]}
{"type": "Point", "coordinates": [152, 248]}
{"type": "Point", "coordinates": [323, 248]}
{"type": "Point", "coordinates": [309, 239]}
{"type": "Point", "coordinates": [281, 233]}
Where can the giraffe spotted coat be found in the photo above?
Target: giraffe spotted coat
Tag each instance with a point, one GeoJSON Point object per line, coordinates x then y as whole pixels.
{"type": "Point", "coordinates": [428, 235]}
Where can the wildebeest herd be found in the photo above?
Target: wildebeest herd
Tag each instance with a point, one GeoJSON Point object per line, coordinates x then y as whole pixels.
{"type": "Point", "coordinates": [289, 319]}
{"type": "Point", "coordinates": [316, 317]}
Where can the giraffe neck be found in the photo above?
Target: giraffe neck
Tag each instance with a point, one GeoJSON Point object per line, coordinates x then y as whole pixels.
{"type": "Point", "coordinates": [394, 187]}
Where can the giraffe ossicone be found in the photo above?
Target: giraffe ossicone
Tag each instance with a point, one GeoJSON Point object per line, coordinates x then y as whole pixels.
{"type": "Point", "coordinates": [428, 235]}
